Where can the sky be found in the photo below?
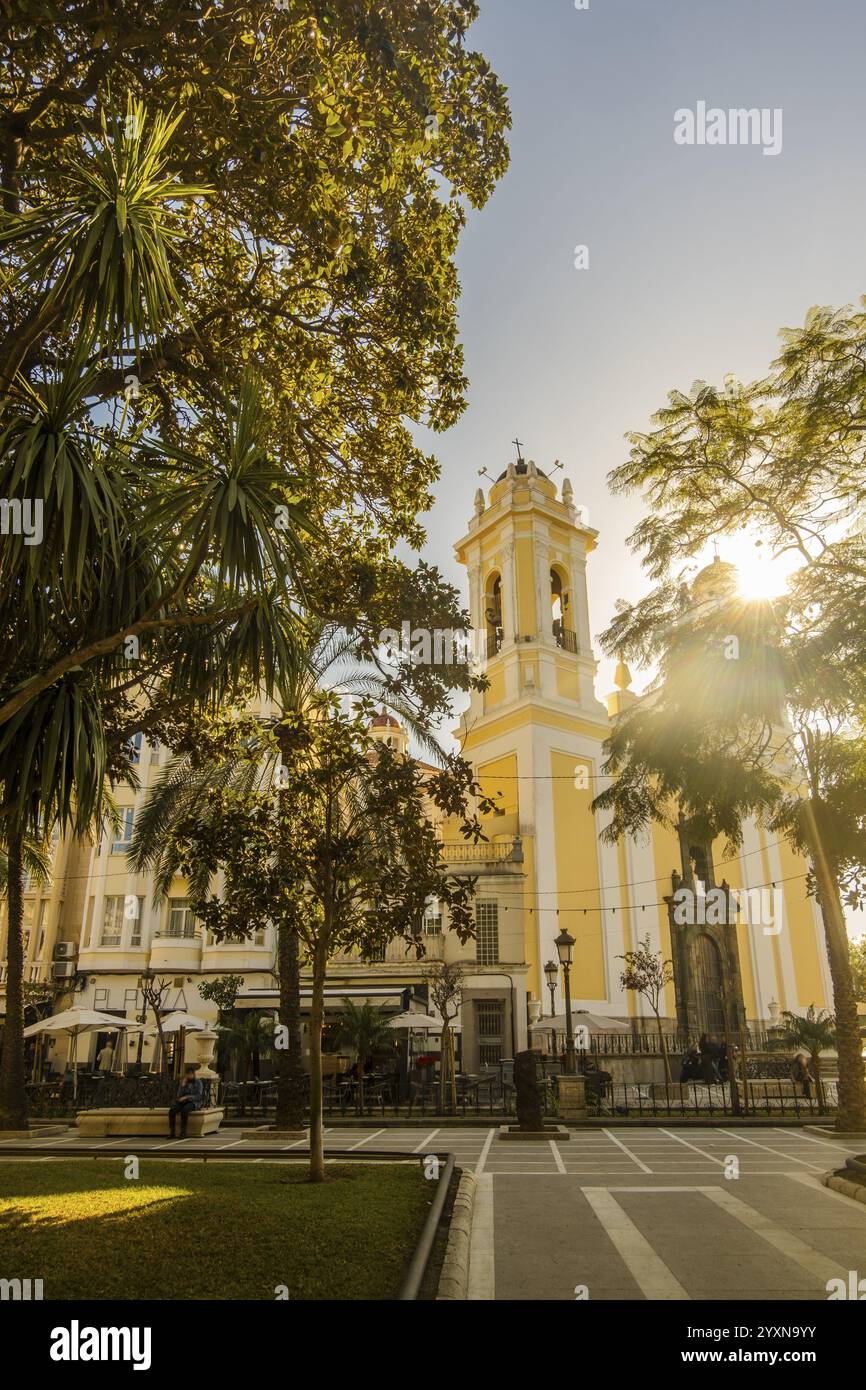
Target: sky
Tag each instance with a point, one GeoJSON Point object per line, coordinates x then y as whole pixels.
{"type": "Point", "coordinates": [698, 254]}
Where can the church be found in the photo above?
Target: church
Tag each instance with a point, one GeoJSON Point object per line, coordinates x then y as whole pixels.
{"type": "Point", "coordinates": [535, 738]}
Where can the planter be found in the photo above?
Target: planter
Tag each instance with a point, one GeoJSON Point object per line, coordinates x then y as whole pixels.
{"type": "Point", "coordinates": [557, 1132]}
{"type": "Point", "coordinates": [268, 1133]}
{"type": "Point", "coordinates": [137, 1119]}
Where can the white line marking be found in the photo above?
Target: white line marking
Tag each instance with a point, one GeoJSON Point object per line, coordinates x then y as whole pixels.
{"type": "Point", "coordinates": [816, 1167]}
{"type": "Point", "coordinates": [628, 1152]}
{"type": "Point", "coordinates": [482, 1159]}
{"type": "Point", "coordinates": [482, 1275]}
{"type": "Point", "coordinates": [361, 1142]}
{"type": "Point", "coordinates": [557, 1157]}
{"type": "Point", "coordinates": [784, 1241]}
{"type": "Point", "coordinates": [424, 1142]}
{"type": "Point", "coordinates": [702, 1152]}
{"type": "Point", "coordinates": [650, 1273]}
{"type": "Point", "coordinates": [220, 1147]}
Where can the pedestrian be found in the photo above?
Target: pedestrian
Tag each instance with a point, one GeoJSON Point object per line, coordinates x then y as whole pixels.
{"type": "Point", "coordinates": [708, 1051]}
{"type": "Point", "coordinates": [801, 1075]}
{"type": "Point", "coordinates": [105, 1058]}
{"type": "Point", "coordinates": [189, 1098]}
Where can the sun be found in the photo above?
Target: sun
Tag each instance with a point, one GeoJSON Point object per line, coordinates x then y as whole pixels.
{"type": "Point", "coordinates": [760, 579]}
{"type": "Point", "coordinates": [760, 575]}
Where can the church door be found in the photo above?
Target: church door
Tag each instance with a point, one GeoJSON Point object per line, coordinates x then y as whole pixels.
{"type": "Point", "coordinates": [711, 1014]}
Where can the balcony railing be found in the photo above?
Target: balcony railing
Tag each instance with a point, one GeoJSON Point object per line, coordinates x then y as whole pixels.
{"type": "Point", "coordinates": [481, 853]}
{"type": "Point", "coordinates": [565, 639]}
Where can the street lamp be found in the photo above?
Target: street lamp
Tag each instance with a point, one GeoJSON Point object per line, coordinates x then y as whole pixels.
{"type": "Point", "coordinates": [551, 970]}
{"type": "Point", "coordinates": [564, 944]}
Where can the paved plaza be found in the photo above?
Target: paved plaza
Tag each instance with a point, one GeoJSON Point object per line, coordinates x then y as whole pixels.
{"type": "Point", "coordinates": [615, 1213]}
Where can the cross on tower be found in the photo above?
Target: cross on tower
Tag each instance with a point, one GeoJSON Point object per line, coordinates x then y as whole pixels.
{"type": "Point", "coordinates": [519, 447]}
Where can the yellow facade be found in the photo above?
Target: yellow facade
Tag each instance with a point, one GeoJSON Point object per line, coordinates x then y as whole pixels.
{"type": "Point", "coordinates": [536, 738]}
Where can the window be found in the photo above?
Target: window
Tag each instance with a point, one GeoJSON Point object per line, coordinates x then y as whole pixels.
{"type": "Point", "coordinates": [100, 998]}
{"type": "Point", "coordinates": [134, 909]}
{"type": "Point", "coordinates": [112, 921]}
{"type": "Point", "coordinates": [486, 931]}
{"type": "Point", "coordinates": [432, 922]}
{"type": "Point", "coordinates": [130, 1001]}
{"type": "Point", "coordinates": [134, 746]}
{"type": "Point", "coordinates": [489, 1025]}
{"type": "Point", "coordinates": [181, 921]}
{"type": "Point", "coordinates": [121, 844]}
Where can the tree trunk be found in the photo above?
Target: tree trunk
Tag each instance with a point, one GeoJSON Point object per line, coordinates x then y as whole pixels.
{"type": "Point", "coordinates": [317, 1020]}
{"type": "Point", "coordinates": [664, 1050]}
{"type": "Point", "coordinates": [13, 1092]}
{"type": "Point", "coordinates": [290, 1072]}
{"type": "Point", "coordinates": [852, 1085]}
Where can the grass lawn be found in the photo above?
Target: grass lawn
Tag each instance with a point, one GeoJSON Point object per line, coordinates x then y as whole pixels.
{"type": "Point", "coordinates": [216, 1230]}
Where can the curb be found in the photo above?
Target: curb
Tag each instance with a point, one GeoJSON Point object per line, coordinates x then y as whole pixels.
{"type": "Point", "coordinates": [454, 1279]}
{"type": "Point", "coordinates": [855, 1190]}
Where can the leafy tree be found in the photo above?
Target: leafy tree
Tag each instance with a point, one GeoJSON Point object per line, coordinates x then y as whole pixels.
{"type": "Point", "coordinates": [359, 853]}
{"type": "Point", "coordinates": [445, 982]}
{"type": "Point", "coordinates": [813, 1033]}
{"type": "Point", "coordinates": [230, 290]}
{"type": "Point", "coordinates": [858, 968]}
{"type": "Point", "coordinates": [648, 974]}
{"type": "Point", "coordinates": [363, 1028]}
{"type": "Point", "coordinates": [777, 732]}
{"type": "Point", "coordinates": [222, 991]}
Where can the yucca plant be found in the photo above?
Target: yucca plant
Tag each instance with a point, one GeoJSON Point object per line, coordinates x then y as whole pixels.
{"type": "Point", "coordinates": [103, 259]}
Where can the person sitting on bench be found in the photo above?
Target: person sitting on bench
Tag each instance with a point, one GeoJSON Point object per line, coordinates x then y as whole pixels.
{"type": "Point", "coordinates": [189, 1098]}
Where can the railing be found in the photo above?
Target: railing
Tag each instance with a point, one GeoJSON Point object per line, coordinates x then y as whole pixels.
{"type": "Point", "coordinates": [766, 1096]}
{"type": "Point", "coordinates": [481, 853]}
{"type": "Point", "coordinates": [565, 639]}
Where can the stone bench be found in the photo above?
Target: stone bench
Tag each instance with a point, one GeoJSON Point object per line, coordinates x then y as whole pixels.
{"type": "Point", "coordinates": [133, 1119]}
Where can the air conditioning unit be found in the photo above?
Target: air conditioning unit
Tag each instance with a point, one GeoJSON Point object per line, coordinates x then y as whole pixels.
{"type": "Point", "coordinates": [65, 950]}
{"type": "Point", "coordinates": [64, 970]}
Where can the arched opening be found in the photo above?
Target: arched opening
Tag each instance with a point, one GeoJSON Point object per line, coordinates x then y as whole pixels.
{"type": "Point", "coordinates": [709, 987]}
{"type": "Point", "coordinates": [493, 613]}
{"type": "Point", "coordinates": [560, 603]}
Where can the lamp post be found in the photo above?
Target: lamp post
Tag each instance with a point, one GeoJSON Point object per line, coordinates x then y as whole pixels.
{"type": "Point", "coordinates": [551, 970]}
{"type": "Point", "coordinates": [564, 944]}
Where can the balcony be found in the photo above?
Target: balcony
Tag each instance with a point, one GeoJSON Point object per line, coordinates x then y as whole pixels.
{"type": "Point", "coordinates": [174, 952]}
{"type": "Point", "coordinates": [565, 640]}
{"type": "Point", "coordinates": [500, 853]}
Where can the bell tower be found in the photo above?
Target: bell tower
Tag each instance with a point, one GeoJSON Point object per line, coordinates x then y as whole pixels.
{"type": "Point", "coordinates": [526, 551]}
{"type": "Point", "coordinates": [535, 735]}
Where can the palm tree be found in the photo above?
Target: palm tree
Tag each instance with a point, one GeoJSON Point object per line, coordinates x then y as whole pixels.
{"type": "Point", "coordinates": [21, 854]}
{"type": "Point", "coordinates": [814, 1033]}
{"type": "Point", "coordinates": [363, 1028]}
{"type": "Point", "coordinates": [132, 529]}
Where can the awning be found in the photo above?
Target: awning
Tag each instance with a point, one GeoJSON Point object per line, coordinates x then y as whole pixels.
{"type": "Point", "coordinates": [382, 996]}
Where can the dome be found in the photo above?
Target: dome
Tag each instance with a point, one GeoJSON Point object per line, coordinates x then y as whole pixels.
{"type": "Point", "coordinates": [717, 580]}
{"type": "Point", "coordinates": [384, 720]}
{"type": "Point", "coordinates": [521, 468]}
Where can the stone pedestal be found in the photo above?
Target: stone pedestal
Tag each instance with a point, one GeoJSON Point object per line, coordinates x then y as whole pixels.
{"type": "Point", "coordinates": [572, 1099]}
